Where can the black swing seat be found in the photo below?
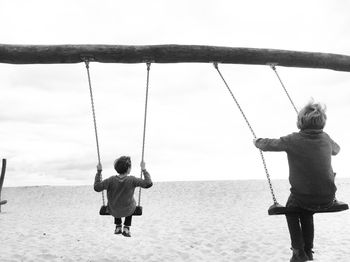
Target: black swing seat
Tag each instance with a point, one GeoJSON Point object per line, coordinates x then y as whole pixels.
{"type": "Point", "coordinates": [277, 209]}
{"type": "Point", "coordinates": [104, 211]}
{"type": "Point", "coordinates": [3, 202]}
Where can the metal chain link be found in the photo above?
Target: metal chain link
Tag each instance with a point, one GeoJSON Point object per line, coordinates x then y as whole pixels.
{"type": "Point", "coordinates": [252, 131]}
{"type": "Point", "coordinates": [94, 118]}
{"type": "Point", "coordinates": [273, 67]}
{"type": "Point", "coordinates": [148, 64]}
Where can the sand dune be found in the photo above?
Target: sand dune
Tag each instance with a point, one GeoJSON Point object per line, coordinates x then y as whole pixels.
{"type": "Point", "coordinates": [182, 221]}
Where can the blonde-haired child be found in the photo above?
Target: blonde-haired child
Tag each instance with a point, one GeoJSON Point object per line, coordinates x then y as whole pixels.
{"type": "Point", "coordinates": [311, 175]}
{"type": "Point", "coordinates": [120, 192]}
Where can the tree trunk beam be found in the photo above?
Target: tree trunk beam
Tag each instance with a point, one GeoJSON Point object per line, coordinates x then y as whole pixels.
{"type": "Point", "coordinates": [57, 54]}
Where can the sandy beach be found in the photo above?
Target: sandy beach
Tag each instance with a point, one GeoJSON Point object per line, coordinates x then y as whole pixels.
{"type": "Point", "coordinates": [182, 221]}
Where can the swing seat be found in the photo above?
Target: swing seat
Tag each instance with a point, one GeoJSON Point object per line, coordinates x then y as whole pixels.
{"type": "Point", "coordinates": [138, 211]}
{"type": "Point", "coordinates": [105, 212]}
{"type": "Point", "coordinates": [3, 202]}
{"type": "Point", "coordinates": [277, 209]}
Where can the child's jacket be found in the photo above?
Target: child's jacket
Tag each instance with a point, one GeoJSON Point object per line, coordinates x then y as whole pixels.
{"type": "Point", "coordinates": [120, 192]}
{"type": "Point", "coordinates": [310, 170]}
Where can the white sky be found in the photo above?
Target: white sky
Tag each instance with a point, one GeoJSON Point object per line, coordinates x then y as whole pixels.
{"type": "Point", "coordinates": [195, 131]}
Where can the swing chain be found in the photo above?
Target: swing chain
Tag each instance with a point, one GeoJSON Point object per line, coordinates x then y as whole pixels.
{"type": "Point", "coordinates": [236, 101]}
{"type": "Point", "coordinates": [251, 130]}
{"type": "Point", "coordinates": [86, 60]}
{"type": "Point", "coordinates": [273, 67]}
{"type": "Point", "coordinates": [148, 64]}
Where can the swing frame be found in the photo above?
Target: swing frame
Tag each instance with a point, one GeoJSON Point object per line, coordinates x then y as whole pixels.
{"type": "Point", "coordinates": [170, 53]}
{"type": "Point", "coordinates": [104, 208]}
{"type": "Point", "coordinates": [58, 54]}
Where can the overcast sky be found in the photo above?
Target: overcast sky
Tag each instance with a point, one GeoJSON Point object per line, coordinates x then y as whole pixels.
{"type": "Point", "coordinates": [195, 131]}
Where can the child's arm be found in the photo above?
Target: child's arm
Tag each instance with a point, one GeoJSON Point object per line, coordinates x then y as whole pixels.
{"type": "Point", "coordinates": [99, 185]}
{"type": "Point", "coordinates": [335, 148]}
{"type": "Point", "coordinates": [146, 182]}
{"type": "Point", "coordinates": [267, 144]}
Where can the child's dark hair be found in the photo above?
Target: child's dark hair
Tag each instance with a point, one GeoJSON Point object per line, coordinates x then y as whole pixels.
{"type": "Point", "coordinates": [312, 116]}
{"type": "Point", "coordinates": [122, 164]}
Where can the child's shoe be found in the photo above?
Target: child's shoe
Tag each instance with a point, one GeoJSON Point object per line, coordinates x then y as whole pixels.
{"type": "Point", "coordinates": [299, 255]}
{"type": "Point", "coordinates": [309, 253]}
{"type": "Point", "coordinates": [126, 231]}
{"type": "Point", "coordinates": [118, 230]}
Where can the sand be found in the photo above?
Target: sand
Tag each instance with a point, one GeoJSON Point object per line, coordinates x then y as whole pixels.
{"type": "Point", "coordinates": [182, 221]}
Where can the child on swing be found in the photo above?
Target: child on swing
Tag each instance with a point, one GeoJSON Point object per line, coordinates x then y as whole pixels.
{"type": "Point", "coordinates": [310, 174]}
{"type": "Point", "coordinates": [120, 192]}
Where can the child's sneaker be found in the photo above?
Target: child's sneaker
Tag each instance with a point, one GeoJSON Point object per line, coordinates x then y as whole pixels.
{"type": "Point", "coordinates": [126, 231]}
{"type": "Point", "coordinates": [118, 230]}
{"type": "Point", "coordinates": [299, 256]}
{"type": "Point", "coordinates": [309, 253]}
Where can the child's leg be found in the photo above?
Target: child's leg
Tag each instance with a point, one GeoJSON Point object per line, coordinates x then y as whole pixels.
{"type": "Point", "coordinates": [127, 224]}
{"type": "Point", "coordinates": [295, 231]}
{"type": "Point", "coordinates": [296, 236]}
{"type": "Point", "coordinates": [307, 226]}
{"type": "Point", "coordinates": [127, 221]}
{"type": "Point", "coordinates": [117, 221]}
{"type": "Point", "coordinates": [118, 225]}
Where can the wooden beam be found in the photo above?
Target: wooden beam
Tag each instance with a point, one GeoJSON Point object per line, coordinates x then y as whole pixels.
{"type": "Point", "coordinates": [57, 54]}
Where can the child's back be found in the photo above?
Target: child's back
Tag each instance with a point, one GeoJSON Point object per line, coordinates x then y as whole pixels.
{"type": "Point", "coordinates": [310, 170]}
{"type": "Point", "coordinates": [120, 188]}
{"type": "Point", "coordinates": [120, 193]}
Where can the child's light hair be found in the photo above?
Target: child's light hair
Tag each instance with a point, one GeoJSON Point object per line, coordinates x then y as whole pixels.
{"type": "Point", "coordinates": [312, 116]}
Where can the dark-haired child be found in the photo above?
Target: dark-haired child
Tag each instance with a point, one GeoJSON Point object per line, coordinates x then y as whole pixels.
{"type": "Point", "coordinates": [120, 192]}
{"type": "Point", "coordinates": [311, 176]}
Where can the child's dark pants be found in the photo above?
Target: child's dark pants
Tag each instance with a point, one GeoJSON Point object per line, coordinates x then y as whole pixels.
{"type": "Point", "coordinates": [127, 221]}
{"type": "Point", "coordinates": [301, 230]}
